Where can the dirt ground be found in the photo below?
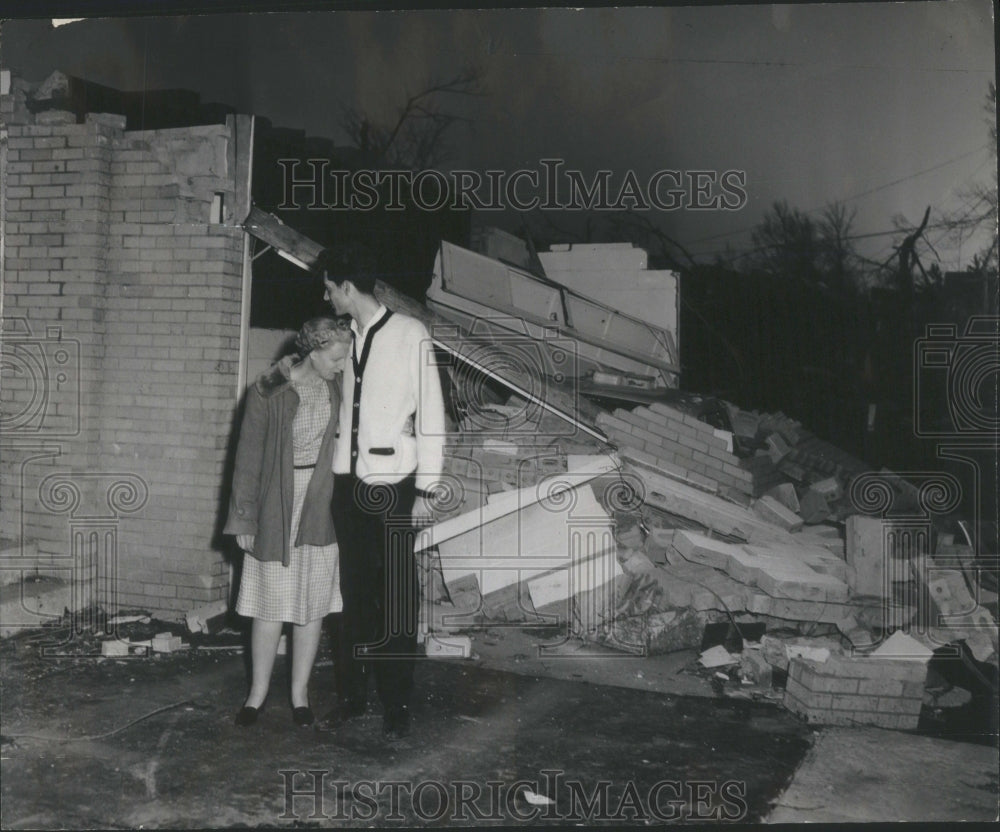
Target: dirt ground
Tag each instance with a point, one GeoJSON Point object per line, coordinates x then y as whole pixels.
{"type": "Point", "coordinates": [501, 739]}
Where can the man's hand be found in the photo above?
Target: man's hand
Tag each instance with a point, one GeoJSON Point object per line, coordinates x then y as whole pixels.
{"type": "Point", "coordinates": [423, 511]}
{"type": "Point", "coordinates": [245, 542]}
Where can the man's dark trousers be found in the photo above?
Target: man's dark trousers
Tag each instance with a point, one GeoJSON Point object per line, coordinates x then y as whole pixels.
{"type": "Point", "coordinates": [379, 587]}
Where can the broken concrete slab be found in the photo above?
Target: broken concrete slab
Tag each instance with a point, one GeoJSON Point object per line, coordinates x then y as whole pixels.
{"type": "Point", "coordinates": [813, 507]}
{"type": "Point", "coordinates": [771, 510]}
{"type": "Point", "coordinates": [785, 494]}
{"type": "Point", "coordinates": [659, 546]}
{"type": "Point", "coordinates": [166, 642]}
{"type": "Point", "coordinates": [829, 487]}
{"type": "Point", "coordinates": [583, 596]}
{"type": "Point", "coordinates": [522, 534]}
{"type": "Point", "coordinates": [829, 537]}
{"type": "Point", "coordinates": [717, 656]}
{"type": "Point", "coordinates": [902, 646]}
{"type": "Point", "coordinates": [704, 588]}
{"type": "Point", "coordinates": [842, 616]}
{"type": "Point", "coordinates": [745, 424]}
{"type": "Point", "coordinates": [755, 667]}
{"type": "Point", "coordinates": [114, 647]}
{"type": "Point", "coordinates": [778, 573]}
{"type": "Point", "coordinates": [208, 618]}
{"type": "Point", "coordinates": [867, 557]}
{"type": "Point", "coordinates": [778, 649]}
{"type": "Point", "coordinates": [816, 557]}
{"type": "Point", "coordinates": [777, 447]}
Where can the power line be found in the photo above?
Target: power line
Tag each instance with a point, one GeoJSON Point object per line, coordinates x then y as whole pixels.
{"type": "Point", "coordinates": [871, 235]}
{"type": "Point", "coordinates": [852, 197]}
{"type": "Point", "coordinates": [590, 57]}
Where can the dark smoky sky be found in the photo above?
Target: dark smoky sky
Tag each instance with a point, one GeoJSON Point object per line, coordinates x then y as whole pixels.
{"type": "Point", "coordinates": [878, 105]}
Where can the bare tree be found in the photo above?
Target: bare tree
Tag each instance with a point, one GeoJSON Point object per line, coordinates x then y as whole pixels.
{"type": "Point", "coordinates": [840, 265]}
{"type": "Point", "coordinates": [786, 242]}
{"type": "Point", "coordinates": [908, 257]}
{"type": "Point", "coordinates": [417, 139]}
{"type": "Point", "coordinates": [979, 210]}
{"type": "Point", "coordinates": [817, 252]}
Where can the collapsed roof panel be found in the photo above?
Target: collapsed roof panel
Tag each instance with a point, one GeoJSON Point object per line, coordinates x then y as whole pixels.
{"type": "Point", "coordinates": [488, 295]}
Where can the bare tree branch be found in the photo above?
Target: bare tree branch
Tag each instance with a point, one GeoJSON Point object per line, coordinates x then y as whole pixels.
{"type": "Point", "coordinates": [417, 138]}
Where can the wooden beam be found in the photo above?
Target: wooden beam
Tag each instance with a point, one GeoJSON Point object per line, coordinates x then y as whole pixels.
{"type": "Point", "coordinates": [285, 240]}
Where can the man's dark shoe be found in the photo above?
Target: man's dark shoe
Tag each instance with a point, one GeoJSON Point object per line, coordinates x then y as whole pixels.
{"type": "Point", "coordinates": [344, 712]}
{"type": "Point", "coordinates": [396, 722]}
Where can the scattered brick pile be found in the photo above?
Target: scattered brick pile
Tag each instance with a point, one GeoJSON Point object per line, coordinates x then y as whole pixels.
{"type": "Point", "coordinates": [857, 690]}
{"type": "Point", "coordinates": [807, 475]}
{"type": "Point", "coordinates": [681, 445]}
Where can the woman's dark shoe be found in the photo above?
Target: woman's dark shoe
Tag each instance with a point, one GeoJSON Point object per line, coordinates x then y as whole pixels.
{"type": "Point", "coordinates": [303, 716]}
{"type": "Point", "coordinates": [247, 716]}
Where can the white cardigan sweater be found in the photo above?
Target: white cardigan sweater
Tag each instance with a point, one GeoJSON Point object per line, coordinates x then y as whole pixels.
{"type": "Point", "coordinates": [400, 428]}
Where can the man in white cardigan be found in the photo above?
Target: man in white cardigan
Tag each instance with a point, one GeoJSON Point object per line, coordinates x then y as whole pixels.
{"type": "Point", "coordinates": [387, 460]}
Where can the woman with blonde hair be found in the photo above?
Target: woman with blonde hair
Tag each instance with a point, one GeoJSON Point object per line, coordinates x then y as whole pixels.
{"type": "Point", "coordinates": [280, 509]}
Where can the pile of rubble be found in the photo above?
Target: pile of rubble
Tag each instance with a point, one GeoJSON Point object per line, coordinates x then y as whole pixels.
{"type": "Point", "coordinates": [691, 515]}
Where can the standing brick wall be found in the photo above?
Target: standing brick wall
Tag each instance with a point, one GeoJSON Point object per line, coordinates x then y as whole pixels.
{"type": "Point", "coordinates": [56, 222]}
{"type": "Point", "coordinates": [171, 353]}
{"type": "Point", "coordinates": [111, 237]}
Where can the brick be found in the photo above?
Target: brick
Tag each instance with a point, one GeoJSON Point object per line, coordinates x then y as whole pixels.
{"type": "Point", "coordinates": [785, 494]}
{"type": "Point", "coordinates": [695, 444]}
{"type": "Point", "coordinates": [865, 704]}
{"type": "Point", "coordinates": [678, 429]}
{"type": "Point", "coordinates": [777, 448]}
{"type": "Point", "coordinates": [880, 687]}
{"type": "Point", "coordinates": [833, 684]}
{"type": "Point", "coordinates": [813, 507]}
{"type": "Point", "coordinates": [900, 705]}
{"type": "Point", "coordinates": [817, 701]}
{"type": "Point", "coordinates": [647, 436]}
{"type": "Point", "coordinates": [655, 424]}
{"type": "Point", "coordinates": [679, 416]}
{"type": "Point", "coordinates": [617, 426]}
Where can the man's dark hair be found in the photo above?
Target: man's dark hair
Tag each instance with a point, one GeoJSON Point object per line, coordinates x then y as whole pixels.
{"type": "Point", "coordinates": [348, 262]}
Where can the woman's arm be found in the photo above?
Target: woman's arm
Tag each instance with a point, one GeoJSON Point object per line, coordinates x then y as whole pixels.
{"type": "Point", "coordinates": [244, 499]}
